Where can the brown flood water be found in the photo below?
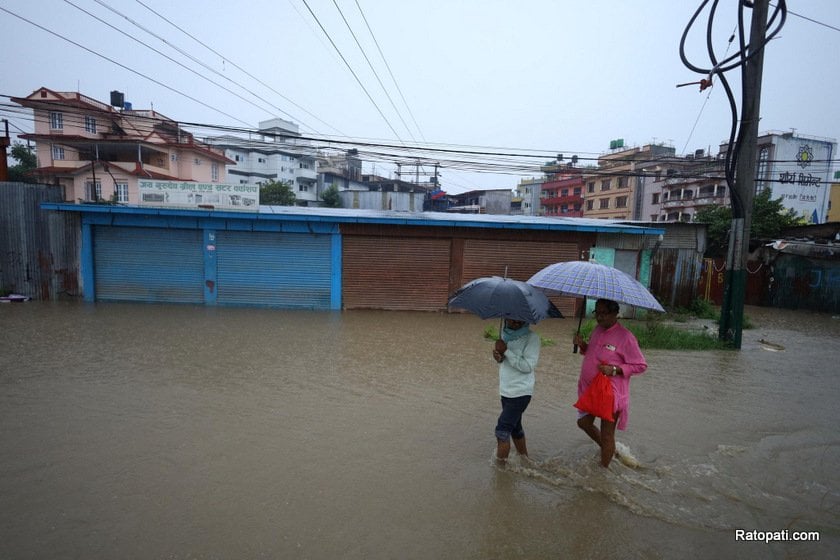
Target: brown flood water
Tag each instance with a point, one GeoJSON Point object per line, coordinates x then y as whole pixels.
{"type": "Point", "coordinates": [146, 431]}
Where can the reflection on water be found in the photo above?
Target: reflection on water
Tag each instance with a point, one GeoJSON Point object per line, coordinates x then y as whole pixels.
{"type": "Point", "coordinates": [144, 431]}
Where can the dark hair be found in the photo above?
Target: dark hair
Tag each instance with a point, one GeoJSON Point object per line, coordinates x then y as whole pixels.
{"type": "Point", "coordinates": [611, 305]}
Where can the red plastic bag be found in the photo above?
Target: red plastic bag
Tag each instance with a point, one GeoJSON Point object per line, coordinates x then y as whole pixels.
{"type": "Point", "coordinates": [598, 399]}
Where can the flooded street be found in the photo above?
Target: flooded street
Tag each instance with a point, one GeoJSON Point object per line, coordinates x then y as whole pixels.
{"type": "Point", "coordinates": [146, 431]}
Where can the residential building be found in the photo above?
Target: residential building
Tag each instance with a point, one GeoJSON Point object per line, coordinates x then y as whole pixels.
{"type": "Point", "coordinates": [528, 191]}
{"type": "Point", "coordinates": [675, 189]}
{"type": "Point", "coordinates": [373, 192]}
{"type": "Point", "coordinates": [276, 153]}
{"type": "Point", "coordinates": [615, 189]}
{"type": "Point", "coordinates": [562, 191]}
{"type": "Point", "coordinates": [797, 168]}
{"type": "Point", "coordinates": [96, 151]}
{"type": "Point", "coordinates": [495, 201]}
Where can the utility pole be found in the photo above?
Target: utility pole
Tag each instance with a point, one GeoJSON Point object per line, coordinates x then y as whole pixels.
{"type": "Point", "coordinates": [732, 310]}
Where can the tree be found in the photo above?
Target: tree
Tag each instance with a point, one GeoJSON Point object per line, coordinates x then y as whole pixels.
{"type": "Point", "coordinates": [769, 218]}
{"type": "Point", "coordinates": [278, 193]}
{"type": "Point", "coordinates": [26, 161]}
{"type": "Point", "coordinates": [331, 198]}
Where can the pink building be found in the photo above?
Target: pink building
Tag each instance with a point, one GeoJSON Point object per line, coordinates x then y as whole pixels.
{"type": "Point", "coordinates": [99, 152]}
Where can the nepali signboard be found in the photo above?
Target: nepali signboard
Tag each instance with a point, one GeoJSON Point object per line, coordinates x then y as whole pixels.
{"type": "Point", "coordinates": [802, 175]}
{"type": "Point", "coordinates": [185, 194]}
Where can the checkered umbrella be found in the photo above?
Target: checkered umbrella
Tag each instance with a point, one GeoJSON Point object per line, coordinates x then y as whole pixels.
{"type": "Point", "coordinates": [588, 279]}
{"type": "Point", "coordinates": [593, 280]}
{"type": "Point", "coordinates": [494, 296]}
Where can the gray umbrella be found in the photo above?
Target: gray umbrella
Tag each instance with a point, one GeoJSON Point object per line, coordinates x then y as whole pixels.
{"type": "Point", "coordinates": [494, 296]}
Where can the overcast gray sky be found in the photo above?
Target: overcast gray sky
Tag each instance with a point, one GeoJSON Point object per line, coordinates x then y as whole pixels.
{"type": "Point", "coordinates": [537, 77]}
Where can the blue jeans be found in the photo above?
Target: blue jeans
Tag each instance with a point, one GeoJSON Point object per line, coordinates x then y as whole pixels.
{"type": "Point", "coordinates": [510, 420]}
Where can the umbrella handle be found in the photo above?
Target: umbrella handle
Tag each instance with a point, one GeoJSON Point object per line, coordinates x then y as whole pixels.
{"type": "Point", "coordinates": [582, 312]}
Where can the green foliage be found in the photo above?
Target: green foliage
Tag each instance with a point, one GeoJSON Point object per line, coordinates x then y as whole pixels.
{"type": "Point", "coordinates": [330, 197]}
{"type": "Point", "coordinates": [658, 336]}
{"type": "Point", "coordinates": [277, 193]}
{"type": "Point", "coordinates": [704, 309]}
{"type": "Point", "coordinates": [26, 161]}
{"type": "Point", "coordinates": [769, 218]}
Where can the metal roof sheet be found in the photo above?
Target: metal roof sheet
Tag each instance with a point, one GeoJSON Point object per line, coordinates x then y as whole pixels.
{"type": "Point", "coordinates": [348, 215]}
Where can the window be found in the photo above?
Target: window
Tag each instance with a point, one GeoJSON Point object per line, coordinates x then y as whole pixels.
{"type": "Point", "coordinates": [590, 187]}
{"type": "Point", "coordinates": [56, 121]}
{"type": "Point", "coordinates": [655, 199]}
{"type": "Point", "coordinates": [564, 192]}
{"type": "Point", "coordinates": [214, 171]}
{"type": "Point", "coordinates": [590, 204]}
{"type": "Point", "coordinates": [261, 160]}
{"type": "Point", "coordinates": [578, 191]}
{"type": "Point", "coordinates": [197, 161]}
{"type": "Point", "coordinates": [621, 202]}
{"type": "Point", "coordinates": [761, 176]}
{"type": "Point", "coordinates": [605, 203]}
{"type": "Point", "coordinates": [93, 191]}
{"type": "Point", "coordinates": [303, 188]}
{"type": "Point", "coordinates": [122, 192]}
{"type": "Point", "coordinates": [622, 182]}
{"type": "Point", "coordinates": [605, 184]}
{"type": "Point", "coordinates": [174, 157]}
{"type": "Point", "coordinates": [237, 157]}
{"type": "Point", "coordinates": [90, 124]}
{"type": "Point", "coordinates": [57, 152]}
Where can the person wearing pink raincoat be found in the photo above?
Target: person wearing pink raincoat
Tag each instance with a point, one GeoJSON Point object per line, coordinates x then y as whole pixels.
{"type": "Point", "coordinates": [613, 351]}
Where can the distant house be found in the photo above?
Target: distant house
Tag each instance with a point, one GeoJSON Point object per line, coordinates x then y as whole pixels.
{"type": "Point", "coordinates": [96, 151]}
{"type": "Point", "coordinates": [678, 187]}
{"type": "Point", "coordinates": [495, 201]}
{"type": "Point", "coordinates": [562, 192]}
{"type": "Point", "coordinates": [796, 168]}
{"type": "Point", "coordinates": [277, 153]}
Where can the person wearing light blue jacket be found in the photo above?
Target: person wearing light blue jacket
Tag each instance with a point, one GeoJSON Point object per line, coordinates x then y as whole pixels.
{"type": "Point", "coordinates": [517, 351]}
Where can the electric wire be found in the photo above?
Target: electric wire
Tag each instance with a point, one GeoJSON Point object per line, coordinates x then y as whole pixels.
{"type": "Point", "coordinates": [123, 66]}
{"type": "Point", "coordinates": [184, 66]}
{"type": "Point", "coordinates": [388, 66]}
{"type": "Point", "coordinates": [346, 63]}
{"type": "Point", "coordinates": [375, 73]}
{"type": "Point", "coordinates": [240, 68]}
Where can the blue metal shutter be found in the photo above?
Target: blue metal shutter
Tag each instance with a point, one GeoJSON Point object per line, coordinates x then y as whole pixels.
{"type": "Point", "coordinates": [148, 264]}
{"type": "Point", "coordinates": [291, 270]}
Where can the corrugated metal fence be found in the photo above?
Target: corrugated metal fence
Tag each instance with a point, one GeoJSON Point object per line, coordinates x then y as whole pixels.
{"type": "Point", "coordinates": [39, 250]}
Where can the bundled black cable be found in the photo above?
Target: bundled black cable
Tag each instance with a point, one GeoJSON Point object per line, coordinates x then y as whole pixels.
{"type": "Point", "coordinates": [718, 70]}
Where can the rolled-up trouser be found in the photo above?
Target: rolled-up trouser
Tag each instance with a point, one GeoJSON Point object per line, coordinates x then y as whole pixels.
{"type": "Point", "coordinates": [510, 420]}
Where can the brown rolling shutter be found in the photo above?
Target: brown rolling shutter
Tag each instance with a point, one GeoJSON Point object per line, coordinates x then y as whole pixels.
{"type": "Point", "coordinates": [522, 258]}
{"type": "Point", "coordinates": [396, 273]}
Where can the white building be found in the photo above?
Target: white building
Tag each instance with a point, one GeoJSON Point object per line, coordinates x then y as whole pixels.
{"type": "Point", "coordinates": [276, 153]}
{"type": "Point", "coordinates": [796, 168]}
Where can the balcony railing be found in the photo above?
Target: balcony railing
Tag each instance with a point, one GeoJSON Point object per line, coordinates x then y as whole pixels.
{"type": "Point", "coordinates": [558, 200]}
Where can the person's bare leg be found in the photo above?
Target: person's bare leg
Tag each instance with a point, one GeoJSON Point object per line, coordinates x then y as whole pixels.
{"type": "Point", "coordinates": [587, 424]}
{"type": "Point", "coordinates": [502, 450]}
{"type": "Point", "coordinates": [521, 448]}
{"type": "Point", "coordinates": [607, 441]}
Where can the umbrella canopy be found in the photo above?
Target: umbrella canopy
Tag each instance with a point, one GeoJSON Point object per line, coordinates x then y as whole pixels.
{"type": "Point", "coordinates": [593, 280]}
{"type": "Point", "coordinates": [494, 296]}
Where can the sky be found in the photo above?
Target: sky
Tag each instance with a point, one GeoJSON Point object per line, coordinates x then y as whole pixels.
{"type": "Point", "coordinates": [427, 81]}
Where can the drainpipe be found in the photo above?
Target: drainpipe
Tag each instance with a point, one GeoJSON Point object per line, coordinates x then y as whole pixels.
{"type": "Point", "coordinates": [4, 164]}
